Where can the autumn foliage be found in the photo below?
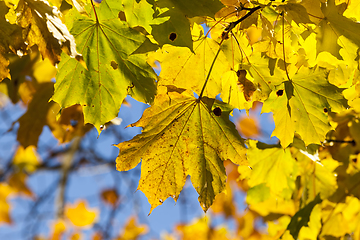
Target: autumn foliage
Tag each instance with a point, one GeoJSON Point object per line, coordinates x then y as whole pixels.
{"type": "Point", "coordinates": [69, 65]}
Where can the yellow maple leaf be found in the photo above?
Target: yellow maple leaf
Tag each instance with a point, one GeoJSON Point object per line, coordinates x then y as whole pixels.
{"type": "Point", "coordinates": [26, 158]}
{"type": "Point", "coordinates": [18, 183]}
{"type": "Point", "coordinates": [182, 136]}
{"type": "Point", "coordinates": [80, 215]}
{"type": "Point", "coordinates": [132, 230]}
{"type": "Point", "coordinates": [58, 229]}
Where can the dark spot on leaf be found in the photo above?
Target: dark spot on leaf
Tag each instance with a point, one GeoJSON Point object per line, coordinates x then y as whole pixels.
{"type": "Point", "coordinates": [325, 110]}
{"type": "Point", "coordinates": [93, 105]}
{"type": "Point", "coordinates": [280, 93]}
{"type": "Point", "coordinates": [217, 111]}
{"type": "Point", "coordinates": [171, 145]}
{"type": "Point", "coordinates": [172, 36]}
{"type": "Point", "coordinates": [114, 65]}
{"type": "Point", "coordinates": [354, 160]}
{"type": "Point", "coordinates": [122, 16]}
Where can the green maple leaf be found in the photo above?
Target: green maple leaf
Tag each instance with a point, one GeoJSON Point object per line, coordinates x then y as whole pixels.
{"type": "Point", "coordinates": [182, 136]}
{"type": "Point", "coordinates": [302, 105]}
{"type": "Point", "coordinates": [112, 72]}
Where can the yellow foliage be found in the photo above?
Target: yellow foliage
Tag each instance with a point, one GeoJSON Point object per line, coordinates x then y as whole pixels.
{"type": "Point", "coordinates": [81, 216]}
{"type": "Point", "coordinates": [132, 230]}
{"type": "Point", "coordinates": [5, 190]}
{"type": "Point", "coordinates": [27, 158]}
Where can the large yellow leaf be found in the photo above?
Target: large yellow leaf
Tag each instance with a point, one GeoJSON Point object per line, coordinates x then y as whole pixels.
{"type": "Point", "coordinates": [182, 136]}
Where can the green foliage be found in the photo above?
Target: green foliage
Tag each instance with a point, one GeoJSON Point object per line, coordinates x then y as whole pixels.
{"type": "Point", "coordinates": [300, 60]}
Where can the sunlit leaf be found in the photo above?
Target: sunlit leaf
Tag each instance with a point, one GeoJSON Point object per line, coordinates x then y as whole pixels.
{"type": "Point", "coordinates": [182, 136]}
{"type": "Point", "coordinates": [177, 67]}
{"type": "Point", "coordinates": [26, 158]}
{"type": "Point", "coordinates": [273, 166]}
{"type": "Point", "coordinates": [112, 72]}
{"type": "Point", "coordinates": [80, 215]}
{"type": "Point", "coordinates": [44, 28]}
{"type": "Point", "coordinates": [306, 93]}
{"type": "Point", "coordinates": [132, 230]}
{"type": "Point", "coordinates": [5, 217]}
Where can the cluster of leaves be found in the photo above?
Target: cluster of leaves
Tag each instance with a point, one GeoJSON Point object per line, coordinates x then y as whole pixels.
{"type": "Point", "coordinates": [300, 59]}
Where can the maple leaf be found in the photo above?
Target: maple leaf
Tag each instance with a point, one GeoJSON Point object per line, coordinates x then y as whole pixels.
{"type": "Point", "coordinates": [80, 215]}
{"type": "Point", "coordinates": [132, 230]}
{"type": "Point", "coordinates": [112, 72]}
{"type": "Point", "coordinates": [296, 105]}
{"type": "Point", "coordinates": [26, 158]}
{"type": "Point", "coordinates": [182, 136]}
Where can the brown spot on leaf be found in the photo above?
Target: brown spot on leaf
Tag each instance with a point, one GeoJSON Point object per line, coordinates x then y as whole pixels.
{"type": "Point", "coordinates": [326, 110]}
{"type": "Point", "coordinates": [114, 65]}
{"type": "Point", "coordinates": [172, 36]}
{"type": "Point", "coordinates": [280, 92]}
{"type": "Point", "coordinates": [246, 85]}
{"type": "Point", "coordinates": [217, 111]}
{"type": "Point", "coordinates": [122, 16]}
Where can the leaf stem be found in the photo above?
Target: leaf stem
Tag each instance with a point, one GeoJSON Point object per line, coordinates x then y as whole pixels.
{"type": "Point", "coordinates": [96, 17]}
{"type": "Point", "coordinates": [211, 67]}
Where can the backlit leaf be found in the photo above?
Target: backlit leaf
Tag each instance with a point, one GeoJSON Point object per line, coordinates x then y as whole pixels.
{"type": "Point", "coordinates": [182, 136]}
{"type": "Point", "coordinates": [273, 166]}
{"type": "Point", "coordinates": [80, 215]}
{"type": "Point", "coordinates": [177, 67]}
{"type": "Point", "coordinates": [112, 72]}
{"type": "Point", "coordinates": [306, 93]}
{"type": "Point", "coordinates": [26, 158]}
{"type": "Point", "coordinates": [44, 28]}
{"type": "Point", "coordinates": [5, 217]}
